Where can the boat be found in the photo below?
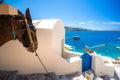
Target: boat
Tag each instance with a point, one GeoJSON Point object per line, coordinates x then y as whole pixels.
{"type": "Point", "coordinates": [118, 47]}
{"type": "Point", "coordinates": [76, 37]}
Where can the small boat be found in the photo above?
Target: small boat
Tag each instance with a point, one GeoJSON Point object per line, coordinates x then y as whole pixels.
{"type": "Point", "coordinates": [76, 37]}
{"type": "Point", "coordinates": [118, 47]}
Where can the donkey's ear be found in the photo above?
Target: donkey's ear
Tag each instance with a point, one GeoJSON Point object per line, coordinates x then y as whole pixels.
{"type": "Point", "coordinates": [27, 14]}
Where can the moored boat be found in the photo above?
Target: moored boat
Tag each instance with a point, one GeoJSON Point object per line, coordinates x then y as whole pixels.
{"type": "Point", "coordinates": [118, 47]}
{"type": "Point", "coordinates": [76, 37]}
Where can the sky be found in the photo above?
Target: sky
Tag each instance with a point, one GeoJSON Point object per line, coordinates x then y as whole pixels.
{"type": "Point", "coordinates": [90, 14]}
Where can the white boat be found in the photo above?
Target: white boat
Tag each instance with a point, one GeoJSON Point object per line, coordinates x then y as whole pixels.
{"type": "Point", "coordinates": [118, 47]}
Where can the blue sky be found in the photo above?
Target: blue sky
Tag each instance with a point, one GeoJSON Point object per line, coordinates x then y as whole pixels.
{"type": "Point", "coordinates": [91, 14]}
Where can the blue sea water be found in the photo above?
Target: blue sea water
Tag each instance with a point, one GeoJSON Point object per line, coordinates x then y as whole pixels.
{"type": "Point", "coordinates": [94, 38]}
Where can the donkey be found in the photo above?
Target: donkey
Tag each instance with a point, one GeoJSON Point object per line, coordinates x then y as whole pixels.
{"type": "Point", "coordinates": [19, 27]}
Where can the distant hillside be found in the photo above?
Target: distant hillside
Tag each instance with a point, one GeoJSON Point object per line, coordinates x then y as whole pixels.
{"type": "Point", "coordinates": [75, 28]}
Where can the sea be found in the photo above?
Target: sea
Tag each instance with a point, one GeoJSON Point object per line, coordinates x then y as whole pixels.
{"type": "Point", "coordinates": [95, 40]}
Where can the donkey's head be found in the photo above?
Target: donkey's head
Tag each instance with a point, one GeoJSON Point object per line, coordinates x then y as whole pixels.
{"type": "Point", "coordinates": [29, 35]}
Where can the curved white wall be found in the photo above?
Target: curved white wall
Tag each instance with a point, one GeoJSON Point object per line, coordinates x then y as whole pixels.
{"type": "Point", "coordinates": [58, 34]}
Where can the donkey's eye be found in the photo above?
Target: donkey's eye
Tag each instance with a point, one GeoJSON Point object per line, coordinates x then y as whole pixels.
{"type": "Point", "coordinates": [33, 29]}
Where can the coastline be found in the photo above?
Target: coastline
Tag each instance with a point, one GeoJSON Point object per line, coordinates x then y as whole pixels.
{"type": "Point", "coordinates": [106, 59]}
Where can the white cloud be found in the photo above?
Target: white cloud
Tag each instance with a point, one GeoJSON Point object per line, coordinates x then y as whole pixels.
{"type": "Point", "coordinates": [93, 22]}
{"type": "Point", "coordinates": [116, 23]}
{"type": "Point", "coordinates": [82, 23]}
{"type": "Point", "coordinates": [87, 22]}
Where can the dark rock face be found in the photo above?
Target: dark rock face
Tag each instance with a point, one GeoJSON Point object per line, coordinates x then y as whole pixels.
{"type": "Point", "coordinates": [69, 76]}
{"type": "Point", "coordinates": [8, 75]}
{"type": "Point", "coordinates": [37, 76]}
{"type": "Point", "coordinates": [13, 75]}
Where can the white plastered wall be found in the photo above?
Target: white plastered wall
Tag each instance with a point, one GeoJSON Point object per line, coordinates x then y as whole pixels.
{"type": "Point", "coordinates": [58, 36]}
{"type": "Point", "coordinates": [100, 68]}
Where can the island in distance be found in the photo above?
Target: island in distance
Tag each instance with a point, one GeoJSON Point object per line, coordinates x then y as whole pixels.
{"type": "Point", "coordinates": [76, 29]}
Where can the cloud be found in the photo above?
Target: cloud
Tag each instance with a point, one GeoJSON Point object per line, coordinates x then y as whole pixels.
{"type": "Point", "coordinates": [116, 23]}
{"type": "Point", "coordinates": [82, 23]}
{"type": "Point", "coordinates": [93, 22]}
{"type": "Point", "coordinates": [87, 22]}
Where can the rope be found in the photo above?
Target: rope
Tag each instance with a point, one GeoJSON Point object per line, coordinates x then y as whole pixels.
{"type": "Point", "coordinates": [36, 54]}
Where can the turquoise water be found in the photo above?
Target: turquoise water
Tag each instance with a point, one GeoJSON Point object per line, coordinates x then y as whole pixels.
{"type": "Point", "coordinates": [94, 38]}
